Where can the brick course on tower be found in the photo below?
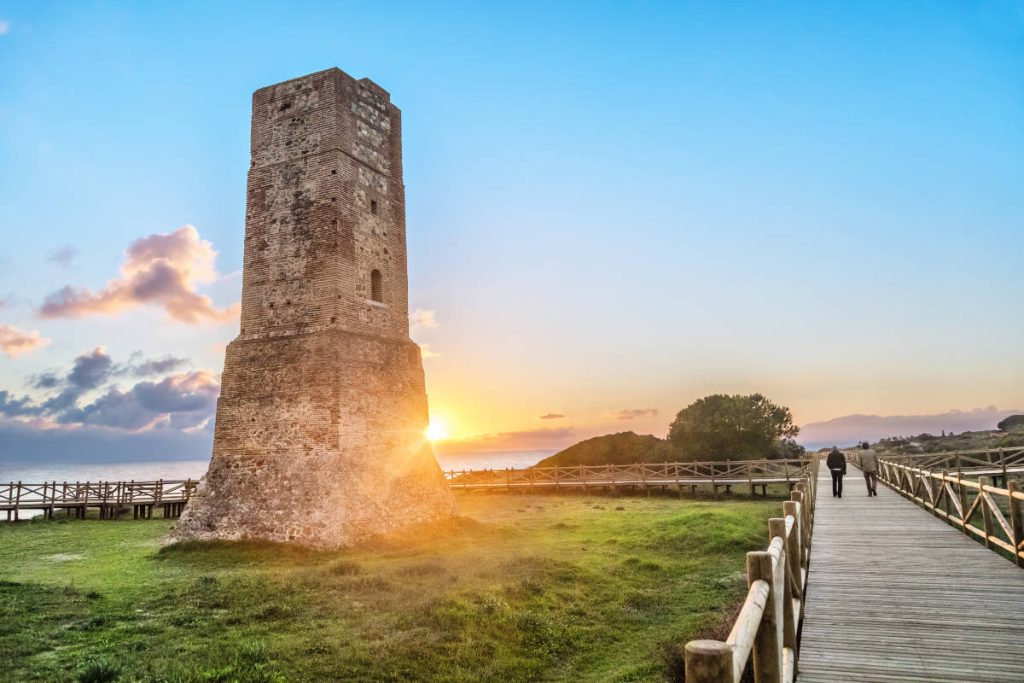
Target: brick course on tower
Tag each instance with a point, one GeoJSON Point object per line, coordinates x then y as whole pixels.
{"type": "Point", "coordinates": [320, 433]}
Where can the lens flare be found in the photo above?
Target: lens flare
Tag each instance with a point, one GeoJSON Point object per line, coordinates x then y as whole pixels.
{"type": "Point", "coordinates": [437, 431]}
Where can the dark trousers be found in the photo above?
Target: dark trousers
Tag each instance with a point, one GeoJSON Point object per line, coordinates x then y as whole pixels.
{"type": "Point", "coordinates": [871, 479]}
{"type": "Point", "coordinates": [837, 483]}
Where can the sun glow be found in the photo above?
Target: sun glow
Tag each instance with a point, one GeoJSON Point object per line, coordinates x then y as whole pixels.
{"type": "Point", "coordinates": [437, 430]}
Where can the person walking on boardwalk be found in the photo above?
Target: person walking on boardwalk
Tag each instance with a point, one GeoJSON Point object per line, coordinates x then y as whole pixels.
{"type": "Point", "coordinates": [836, 463]}
{"type": "Point", "coordinates": [869, 466]}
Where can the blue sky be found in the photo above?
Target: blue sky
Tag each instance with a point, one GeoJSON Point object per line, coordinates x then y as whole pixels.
{"type": "Point", "coordinates": [611, 206]}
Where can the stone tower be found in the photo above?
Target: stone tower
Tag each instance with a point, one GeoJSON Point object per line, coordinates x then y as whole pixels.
{"type": "Point", "coordinates": [320, 433]}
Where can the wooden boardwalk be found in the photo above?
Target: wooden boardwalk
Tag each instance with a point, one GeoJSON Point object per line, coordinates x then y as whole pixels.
{"type": "Point", "coordinates": [896, 594]}
{"type": "Point", "coordinates": [115, 498]}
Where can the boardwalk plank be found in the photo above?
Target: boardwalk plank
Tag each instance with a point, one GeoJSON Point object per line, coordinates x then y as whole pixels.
{"type": "Point", "coordinates": [895, 594]}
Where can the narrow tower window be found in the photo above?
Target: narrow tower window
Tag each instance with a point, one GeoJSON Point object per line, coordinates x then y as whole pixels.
{"type": "Point", "coordinates": [376, 286]}
{"type": "Point", "coordinates": [373, 206]}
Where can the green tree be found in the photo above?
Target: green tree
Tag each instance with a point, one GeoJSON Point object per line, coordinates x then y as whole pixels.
{"type": "Point", "coordinates": [721, 427]}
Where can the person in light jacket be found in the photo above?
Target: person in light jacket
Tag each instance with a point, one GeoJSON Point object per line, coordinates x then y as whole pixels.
{"type": "Point", "coordinates": [869, 466]}
{"type": "Point", "coordinates": [836, 463]}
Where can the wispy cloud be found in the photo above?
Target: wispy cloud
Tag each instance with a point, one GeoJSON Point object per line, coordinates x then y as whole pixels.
{"type": "Point", "coordinates": [553, 438]}
{"type": "Point", "coordinates": [162, 270]}
{"type": "Point", "coordinates": [5, 27]}
{"type": "Point", "coordinates": [423, 318]}
{"type": "Point", "coordinates": [551, 416]}
{"type": "Point", "coordinates": [633, 413]}
{"type": "Point", "coordinates": [184, 400]}
{"type": "Point", "coordinates": [145, 367]}
{"type": "Point", "coordinates": [181, 401]}
{"type": "Point", "coordinates": [63, 256]}
{"type": "Point", "coordinates": [427, 351]}
{"type": "Point", "coordinates": [15, 342]}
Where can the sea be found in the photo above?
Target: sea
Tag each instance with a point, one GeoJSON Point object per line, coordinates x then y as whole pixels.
{"type": "Point", "coordinates": [40, 471]}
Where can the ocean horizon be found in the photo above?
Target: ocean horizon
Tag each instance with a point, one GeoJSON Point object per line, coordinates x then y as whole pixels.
{"type": "Point", "coordinates": [151, 470]}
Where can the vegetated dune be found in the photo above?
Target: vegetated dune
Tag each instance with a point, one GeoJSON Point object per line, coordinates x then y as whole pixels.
{"type": "Point", "coordinates": [613, 449]}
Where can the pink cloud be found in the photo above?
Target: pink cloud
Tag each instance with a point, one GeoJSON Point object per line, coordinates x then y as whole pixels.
{"type": "Point", "coordinates": [633, 413]}
{"type": "Point", "coordinates": [162, 270]}
{"type": "Point", "coordinates": [15, 342]}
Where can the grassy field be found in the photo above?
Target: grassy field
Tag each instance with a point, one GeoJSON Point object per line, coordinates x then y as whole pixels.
{"type": "Point", "coordinates": [523, 587]}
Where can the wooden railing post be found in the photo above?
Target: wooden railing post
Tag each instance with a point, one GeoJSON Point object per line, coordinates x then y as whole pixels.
{"type": "Point", "coordinates": [1002, 461]}
{"type": "Point", "coordinates": [986, 513]}
{"type": "Point", "coordinates": [777, 528]}
{"type": "Point", "coordinates": [708, 661]}
{"type": "Point", "coordinates": [1016, 523]}
{"type": "Point", "coordinates": [962, 495]}
{"type": "Point", "coordinates": [946, 502]}
{"type": "Point", "coordinates": [794, 544]}
{"type": "Point", "coordinates": [798, 497]}
{"type": "Point", "coordinates": [768, 641]}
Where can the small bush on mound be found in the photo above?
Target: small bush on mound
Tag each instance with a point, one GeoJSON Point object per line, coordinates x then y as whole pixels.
{"type": "Point", "coordinates": [1011, 422]}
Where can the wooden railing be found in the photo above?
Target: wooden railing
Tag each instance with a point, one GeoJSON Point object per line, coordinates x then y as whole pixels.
{"type": "Point", "coordinates": [114, 497]}
{"type": "Point", "coordinates": [960, 497]}
{"type": "Point", "coordinates": [723, 474]}
{"type": "Point", "coordinates": [768, 623]}
{"type": "Point", "coordinates": [998, 463]}
{"type": "Point", "coordinates": [171, 495]}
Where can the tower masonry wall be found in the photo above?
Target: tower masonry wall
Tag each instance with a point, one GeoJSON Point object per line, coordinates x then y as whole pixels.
{"type": "Point", "coordinates": [320, 432]}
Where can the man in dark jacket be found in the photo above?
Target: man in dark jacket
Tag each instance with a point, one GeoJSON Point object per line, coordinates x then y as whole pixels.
{"type": "Point", "coordinates": [836, 463]}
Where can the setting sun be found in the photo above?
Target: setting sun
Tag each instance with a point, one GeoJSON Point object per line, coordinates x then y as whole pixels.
{"type": "Point", "coordinates": [437, 430]}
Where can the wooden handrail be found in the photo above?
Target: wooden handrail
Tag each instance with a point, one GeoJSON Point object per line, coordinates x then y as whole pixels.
{"type": "Point", "coordinates": [25, 495]}
{"type": "Point", "coordinates": [947, 495]}
{"type": "Point", "coordinates": [767, 625]}
{"type": "Point", "coordinates": [725, 473]}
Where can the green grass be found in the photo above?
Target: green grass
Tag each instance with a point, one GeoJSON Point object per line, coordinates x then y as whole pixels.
{"type": "Point", "coordinates": [523, 587]}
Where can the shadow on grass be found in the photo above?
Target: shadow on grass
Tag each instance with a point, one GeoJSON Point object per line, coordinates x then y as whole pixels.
{"type": "Point", "coordinates": [415, 538]}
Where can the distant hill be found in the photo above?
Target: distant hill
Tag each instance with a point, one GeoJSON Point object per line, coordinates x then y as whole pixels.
{"type": "Point", "coordinates": [964, 441]}
{"type": "Point", "coordinates": [612, 449]}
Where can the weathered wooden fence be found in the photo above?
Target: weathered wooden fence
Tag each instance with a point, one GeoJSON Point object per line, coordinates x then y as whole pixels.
{"type": "Point", "coordinates": [769, 622]}
{"type": "Point", "coordinates": [115, 498]}
{"type": "Point", "coordinates": [111, 498]}
{"type": "Point", "coordinates": [961, 496]}
{"type": "Point", "coordinates": [716, 475]}
{"type": "Point", "coordinates": [997, 463]}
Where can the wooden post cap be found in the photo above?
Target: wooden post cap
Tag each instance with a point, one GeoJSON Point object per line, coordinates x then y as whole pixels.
{"type": "Point", "coordinates": [708, 661]}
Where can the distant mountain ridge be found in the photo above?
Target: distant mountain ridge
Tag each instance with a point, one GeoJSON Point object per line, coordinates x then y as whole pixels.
{"type": "Point", "coordinates": [850, 429]}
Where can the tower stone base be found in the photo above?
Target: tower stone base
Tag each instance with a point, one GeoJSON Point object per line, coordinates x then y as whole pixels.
{"type": "Point", "coordinates": [320, 439]}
